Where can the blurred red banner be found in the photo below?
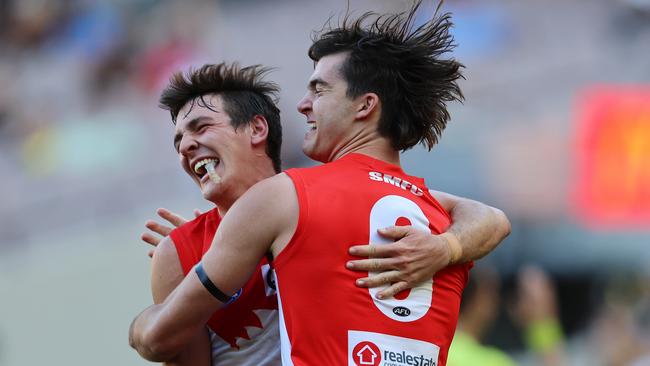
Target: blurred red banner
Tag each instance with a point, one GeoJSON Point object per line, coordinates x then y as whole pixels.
{"type": "Point", "coordinates": [612, 166]}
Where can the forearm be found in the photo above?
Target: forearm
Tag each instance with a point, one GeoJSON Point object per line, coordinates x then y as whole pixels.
{"type": "Point", "coordinates": [197, 353]}
{"type": "Point", "coordinates": [162, 331]}
{"type": "Point", "coordinates": [478, 227]}
{"type": "Point", "coordinates": [416, 255]}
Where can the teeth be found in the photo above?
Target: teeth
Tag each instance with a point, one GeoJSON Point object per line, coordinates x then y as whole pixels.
{"type": "Point", "coordinates": [214, 177]}
{"type": "Point", "coordinates": [201, 163]}
{"type": "Point", "coordinates": [312, 125]}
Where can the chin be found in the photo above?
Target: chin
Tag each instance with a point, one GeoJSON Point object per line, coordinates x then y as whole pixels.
{"type": "Point", "coordinates": [309, 152]}
{"type": "Point", "coordinates": [314, 156]}
{"type": "Point", "coordinates": [209, 194]}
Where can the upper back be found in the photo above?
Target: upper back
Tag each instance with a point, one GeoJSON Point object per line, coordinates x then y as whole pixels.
{"type": "Point", "coordinates": [343, 204]}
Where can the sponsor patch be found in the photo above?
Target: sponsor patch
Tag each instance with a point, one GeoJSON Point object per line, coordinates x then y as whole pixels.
{"type": "Point", "coordinates": [376, 349]}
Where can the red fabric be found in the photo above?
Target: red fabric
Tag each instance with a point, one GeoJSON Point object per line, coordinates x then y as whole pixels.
{"type": "Point", "coordinates": [192, 240]}
{"type": "Point", "coordinates": [320, 302]}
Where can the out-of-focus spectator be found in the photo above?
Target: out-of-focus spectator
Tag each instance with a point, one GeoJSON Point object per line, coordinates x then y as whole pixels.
{"type": "Point", "coordinates": [620, 335]}
{"type": "Point", "coordinates": [536, 312]}
{"type": "Point", "coordinates": [478, 310]}
{"type": "Point", "coordinates": [28, 24]}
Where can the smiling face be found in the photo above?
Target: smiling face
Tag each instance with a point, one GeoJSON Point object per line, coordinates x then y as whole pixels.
{"type": "Point", "coordinates": [206, 135]}
{"type": "Point", "coordinates": [329, 111]}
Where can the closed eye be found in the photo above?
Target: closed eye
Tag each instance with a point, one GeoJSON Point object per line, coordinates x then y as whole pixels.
{"type": "Point", "coordinates": [177, 142]}
{"type": "Point", "coordinates": [196, 125]}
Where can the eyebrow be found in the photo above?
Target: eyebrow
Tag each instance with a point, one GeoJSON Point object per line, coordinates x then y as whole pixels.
{"type": "Point", "coordinates": [313, 83]}
{"type": "Point", "coordinates": [191, 126]}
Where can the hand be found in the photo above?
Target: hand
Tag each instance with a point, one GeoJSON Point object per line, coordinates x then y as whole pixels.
{"type": "Point", "coordinates": [415, 257]}
{"type": "Point", "coordinates": [162, 230]}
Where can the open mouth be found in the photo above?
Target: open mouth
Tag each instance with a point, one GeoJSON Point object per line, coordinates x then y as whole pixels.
{"type": "Point", "coordinates": [311, 126]}
{"type": "Point", "coordinates": [204, 166]}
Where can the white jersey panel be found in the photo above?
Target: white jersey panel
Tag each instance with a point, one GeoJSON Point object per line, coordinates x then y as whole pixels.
{"type": "Point", "coordinates": [285, 344]}
{"type": "Point", "coordinates": [261, 349]}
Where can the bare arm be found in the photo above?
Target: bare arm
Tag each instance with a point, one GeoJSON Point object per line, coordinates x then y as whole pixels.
{"type": "Point", "coordinates": [166, 275]}
{"type": "Point", "coordinates": [478, 227]}
{"type": "Point", "coordinates": [418, 255]}
{"type": "Point", "coordinates": [263, 218]}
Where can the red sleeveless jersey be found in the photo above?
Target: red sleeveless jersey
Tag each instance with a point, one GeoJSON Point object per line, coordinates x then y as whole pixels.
{"type": "Point", "coordinates": [324, 318]}
{"type": "Point", "coordinates": [246, 331]}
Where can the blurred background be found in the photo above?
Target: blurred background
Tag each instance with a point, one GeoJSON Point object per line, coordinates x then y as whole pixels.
{"type": "Point", "coordinates": [555, 130]}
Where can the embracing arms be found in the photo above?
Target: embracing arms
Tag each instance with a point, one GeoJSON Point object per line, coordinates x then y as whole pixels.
{"type": "Point", "coordinates": [418, 255]}
{"type": "Point", "coordinates": [263, 219]}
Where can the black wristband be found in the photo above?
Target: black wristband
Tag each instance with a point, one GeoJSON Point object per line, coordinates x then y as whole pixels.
{"type": "Point", "coordinates": [207, 283]}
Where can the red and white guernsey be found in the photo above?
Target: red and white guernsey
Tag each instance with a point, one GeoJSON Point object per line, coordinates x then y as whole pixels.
{"type": "Point", "coordinates": [246, 331]}
{"type": "Point", "coordinates": [324, 318]}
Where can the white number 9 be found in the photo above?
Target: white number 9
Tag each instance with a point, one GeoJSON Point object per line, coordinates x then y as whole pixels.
{"type": "Point", "coordinates": [384, 213]}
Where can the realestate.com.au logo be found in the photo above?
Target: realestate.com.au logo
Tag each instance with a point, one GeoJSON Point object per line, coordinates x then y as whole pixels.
{"type": "Point", "coordinates": [368, 354]}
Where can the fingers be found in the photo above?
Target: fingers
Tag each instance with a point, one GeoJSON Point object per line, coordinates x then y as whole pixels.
{"type": "Point", "coordinates": [150, 239]}
{"type": "Point", "coordinates": [394, 232]}
{"type": "Point", "coordinates": [386, 250]}
{"type": "Point", "coordinates": [393, 290]}
{"type": "Point", "coordinates": [172, 218]}
{"type": "Point", "coordinates": [160, 229]}
{"type": "Point", "coordinates": [373, 251]}
{"type": "Point", "coordinates": [391, 279]}
{"type": "Point", "coordinates": [372, 264]}
{"type": "Point", "coordinates": [384, 278]}
{"type": "Point", "coordinates": [157, 228]}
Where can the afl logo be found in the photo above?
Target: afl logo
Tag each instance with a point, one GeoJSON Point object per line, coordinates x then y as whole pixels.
{"type": "Point", "coordinates": [401, 311]}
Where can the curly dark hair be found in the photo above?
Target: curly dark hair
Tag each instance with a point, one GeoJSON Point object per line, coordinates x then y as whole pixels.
{"type": "Point", "coordinates": [404, 67]}
{"type": "Point", "coordinates": [243, 92]}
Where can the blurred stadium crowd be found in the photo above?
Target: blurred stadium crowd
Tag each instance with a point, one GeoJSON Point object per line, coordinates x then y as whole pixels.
{"type": "Point", "coordinates": [555, 130]}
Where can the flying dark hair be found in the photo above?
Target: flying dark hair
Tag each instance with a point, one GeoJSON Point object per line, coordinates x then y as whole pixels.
{"type": "Point", "coordinates": [402, 66]}
{"type": "Point", "coordinates": [243, 92]}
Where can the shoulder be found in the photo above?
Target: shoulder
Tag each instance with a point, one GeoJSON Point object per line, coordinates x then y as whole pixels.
{"type": "Point", "coordinates": [275, 188]}
{"type": "Point", "coordinates": [166, 271]}
{"type": "Point", "coordinates": [165, 251]}
{"type": "Point", "coordinates": [271, 203]}
{"type": "Point", "coordinates": [446, 200]}
{"type": "Point", "coordinates": [317, 169]}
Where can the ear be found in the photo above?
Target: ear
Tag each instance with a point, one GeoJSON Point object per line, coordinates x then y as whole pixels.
{"type": "Point", "coordinates": [368, 104]}
{"type": "Point", "coordinates": [259, 129]}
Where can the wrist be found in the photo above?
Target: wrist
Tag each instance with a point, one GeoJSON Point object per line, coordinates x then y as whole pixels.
{"type": "Point", "coordinates": [455, 249]}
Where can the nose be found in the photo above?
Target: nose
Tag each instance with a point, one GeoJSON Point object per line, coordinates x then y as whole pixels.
{"type": "Point", "coordinates": [304, 105]}
{"type": "Point", "coordinates": [187, 145]}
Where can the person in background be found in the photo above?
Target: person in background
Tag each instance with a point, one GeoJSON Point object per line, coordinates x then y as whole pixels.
{"type": "Point", "coordinates": [479, 309]}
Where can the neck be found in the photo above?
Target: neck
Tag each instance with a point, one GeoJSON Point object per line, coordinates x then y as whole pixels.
{"type": "Point", "coordinates": [256, 172]}
{"type": "Point", "coordinates": [371, 144]}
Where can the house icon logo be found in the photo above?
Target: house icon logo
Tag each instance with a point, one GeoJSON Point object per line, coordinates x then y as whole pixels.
{"type": "Point", "coordinates": [366, 354]}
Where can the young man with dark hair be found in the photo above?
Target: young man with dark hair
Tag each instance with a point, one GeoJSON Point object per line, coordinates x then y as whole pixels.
{"type": "Point", "coordinates": [228, 137]}
{"type": "Point", "coordinates": [308, 218]}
